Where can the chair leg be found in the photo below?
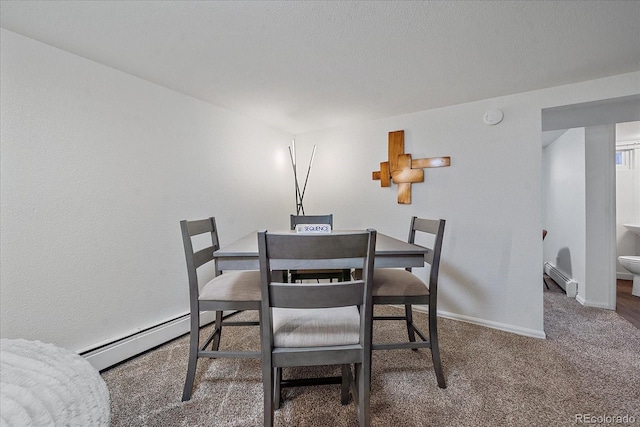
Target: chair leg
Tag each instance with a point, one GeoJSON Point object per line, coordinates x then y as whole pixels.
{"type": "Point", "coordinates": [363, 382]}
{"type": "Point", "coordinates": [194, 336]}
{"type": "Point", "coordinates": [268, 386]}
{"type": "Point", "coordinates": [346, 382]}
{"type": "Point", "coordinates": [215, 345]}
{"type": "Point", "coordinates": [277, 397]}
{"type": "Point", "coordinates": [408, 315]}
{"type": "Point", "coordinates": [435, 350]}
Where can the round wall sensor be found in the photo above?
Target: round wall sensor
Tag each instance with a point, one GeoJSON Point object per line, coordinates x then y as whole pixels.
{"type": "Point", "coordinates": [493, 117]}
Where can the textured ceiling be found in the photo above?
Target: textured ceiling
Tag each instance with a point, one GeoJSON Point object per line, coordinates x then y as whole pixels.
{"type": "Point", "coordinates": [306, 65]}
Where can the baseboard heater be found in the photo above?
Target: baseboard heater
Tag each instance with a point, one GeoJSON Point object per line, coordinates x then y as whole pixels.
{"type": "Point", "coordinates": [112, 352]}
{"type": "Point", "coordinates": [569, 285]}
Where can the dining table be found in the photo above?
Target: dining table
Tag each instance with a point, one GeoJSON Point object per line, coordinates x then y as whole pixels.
{"type": "Point", "coordinates": [390, 253]}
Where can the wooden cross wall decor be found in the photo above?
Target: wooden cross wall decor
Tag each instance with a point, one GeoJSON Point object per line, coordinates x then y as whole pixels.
{"type": "Point", "coordinates": [403, 170]}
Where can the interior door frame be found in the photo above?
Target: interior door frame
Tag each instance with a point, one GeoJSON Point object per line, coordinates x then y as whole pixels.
{"type": "Point", "coordinates": [599, 119]}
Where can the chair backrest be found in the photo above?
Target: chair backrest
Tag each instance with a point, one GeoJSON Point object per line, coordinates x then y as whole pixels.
{"type": "Point", "coordinates": [285, 251]}
{"type": "Point", "coordinates": [311, 219]}
{"type": "Point", "coordinates": [434, 227]}
{"type": "Point", "coordinates": [197, 258]}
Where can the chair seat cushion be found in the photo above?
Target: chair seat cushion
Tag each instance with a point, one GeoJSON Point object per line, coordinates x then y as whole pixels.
{"type": "Point", "coordinates": [316, 327]}
{"type": "Point", "coordinates": [233, 286]}
{"type": "Point", "coordinates": [396, 282]}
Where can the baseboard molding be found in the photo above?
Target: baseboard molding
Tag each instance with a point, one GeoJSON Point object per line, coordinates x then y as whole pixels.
{"type": "Point", "coordinates": [115, 351]}
{"type": "Point", "coordinates": [487, 323]}
{"type": "Point", "coordinates": [586, 303]}
{"type": "Point", "coordinates": [111, 353]}
{"type": "Point", "coordinates": [624, 276]}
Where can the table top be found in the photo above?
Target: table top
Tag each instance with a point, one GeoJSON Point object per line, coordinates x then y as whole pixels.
{"type": "Point", "coordinates": [390, 252]}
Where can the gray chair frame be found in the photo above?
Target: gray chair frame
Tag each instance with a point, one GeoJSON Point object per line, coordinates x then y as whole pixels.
{"type": "Point", "coordinates": [196, 259]}
{"type": "Point", "coordinates": [289, 251]}
{"type": "Point", "coordinates": [435, 228]}
{"type": "Point", "coordinates": [339, 275]}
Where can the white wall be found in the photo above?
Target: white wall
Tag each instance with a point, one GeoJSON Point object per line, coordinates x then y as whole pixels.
{"type": "Point", "coordinates": [98, 167]}
{"type": "Point", "coordinates": [600, 252]}
{"type": "Point", "coordinates": [491, 195]}
{"type": "Point", "coordinates": [563, 165]}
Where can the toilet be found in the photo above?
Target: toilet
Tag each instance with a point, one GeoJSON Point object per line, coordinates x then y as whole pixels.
{"type": "Point", "coordinates": [632, 264]}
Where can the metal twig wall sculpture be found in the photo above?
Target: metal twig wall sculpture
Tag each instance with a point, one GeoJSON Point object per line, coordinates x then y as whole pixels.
{"type": "Point", "coordinates": [299, 193]}
{"type": "Point", "coordinates": [403, 170]}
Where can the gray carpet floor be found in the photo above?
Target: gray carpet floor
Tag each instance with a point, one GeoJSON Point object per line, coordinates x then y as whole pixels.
{"type": "Point", "coordinates": [587, 369]}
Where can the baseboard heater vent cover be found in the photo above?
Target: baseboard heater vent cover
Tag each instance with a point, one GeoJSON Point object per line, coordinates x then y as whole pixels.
{"type": "Point", "coordinates": [569, 285]}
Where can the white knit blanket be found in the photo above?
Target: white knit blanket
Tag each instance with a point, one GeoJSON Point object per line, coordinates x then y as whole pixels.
{"type": "Point", "coordinates": [45, 385]}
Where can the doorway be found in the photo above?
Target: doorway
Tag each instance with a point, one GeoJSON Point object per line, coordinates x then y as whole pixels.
{"type": "Point", "coordinates": [598, 119]}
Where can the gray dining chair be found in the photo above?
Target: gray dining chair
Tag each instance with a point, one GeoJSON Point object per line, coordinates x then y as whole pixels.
{"type": "Point", "coordinates": [233, 291]}
{"type": "Point", "coordinates": [312, 324]}
{"type": "Point", "coordinates": [315, 274]}
{"type": "Point", "coordinates": [402, 287]}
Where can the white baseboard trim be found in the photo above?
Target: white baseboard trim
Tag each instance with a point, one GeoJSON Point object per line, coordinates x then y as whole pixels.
{"type": "Point", "coordinates": [118, 350]}
{"type": "Point", "coordinates": [112, 352]}
{"type": "Point", "coordinates": [624, 276]}
{"type": "Point", "coordinates": [586, 303]}
{"type": "Point", "coordinates": [487, 323]}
